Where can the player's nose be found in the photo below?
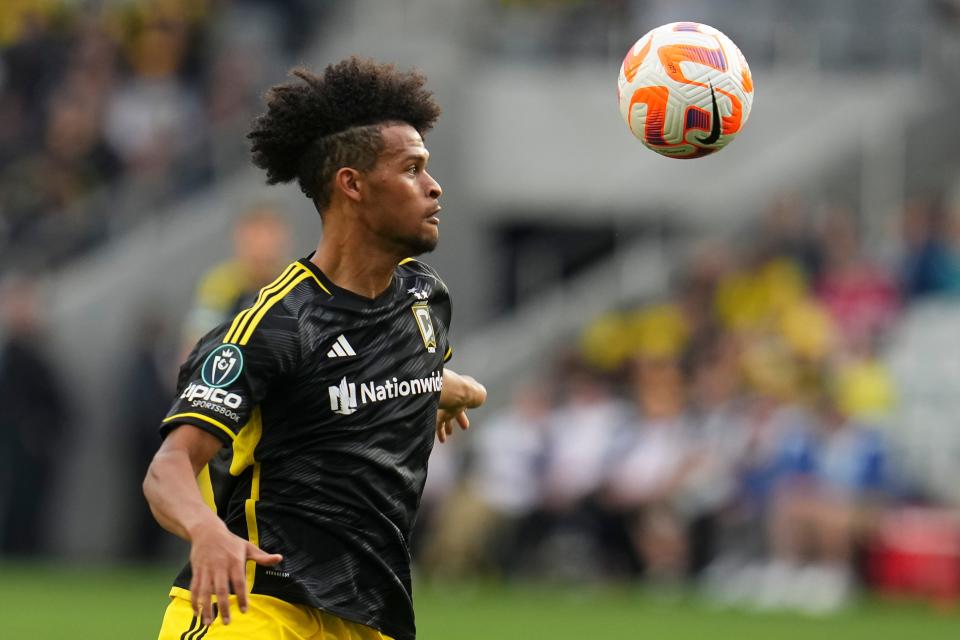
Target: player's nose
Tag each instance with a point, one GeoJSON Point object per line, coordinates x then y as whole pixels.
{"type": "Point", "coordinates": [434, 190]}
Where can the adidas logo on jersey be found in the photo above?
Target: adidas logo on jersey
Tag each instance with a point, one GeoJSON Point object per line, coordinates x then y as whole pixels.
{"type": "Point", "coordinates": [341, 348]}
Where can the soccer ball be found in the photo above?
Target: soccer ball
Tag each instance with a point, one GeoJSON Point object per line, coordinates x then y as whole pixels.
{"type": "Point", "coordinates": [685, 90]}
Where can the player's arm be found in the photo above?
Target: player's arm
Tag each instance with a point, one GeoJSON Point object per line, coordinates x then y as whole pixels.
{"type": "Point", "coordinates": [170, 485]}
{"type": "Point", "coordinates": [458, 394]}
{"type": "Point", "coordinates": [221, 383]}
{"type": "Point", "coordinates": [217, 556]}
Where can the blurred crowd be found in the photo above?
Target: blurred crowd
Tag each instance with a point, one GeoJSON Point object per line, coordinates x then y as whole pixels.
{"type": "Point", "coordinates": [736, 431]}
{"type": "Point", "coordinates": [109, 110]}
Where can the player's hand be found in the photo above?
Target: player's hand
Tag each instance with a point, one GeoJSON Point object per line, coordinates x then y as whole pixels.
{"type": "Point", "coordinates": [445, 420]}
{"type": "Point", "coordinates": [459, 394]}
{"type": "Point", "coordinates": [218, 560]}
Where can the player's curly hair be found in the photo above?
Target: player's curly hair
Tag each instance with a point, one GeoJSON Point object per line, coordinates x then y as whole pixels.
{"type": "Point", "coordinates": [313, 128]}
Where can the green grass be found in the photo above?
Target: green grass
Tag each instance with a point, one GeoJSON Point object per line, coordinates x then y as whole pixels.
{"type": "Point", "coordinates": [42, 601]}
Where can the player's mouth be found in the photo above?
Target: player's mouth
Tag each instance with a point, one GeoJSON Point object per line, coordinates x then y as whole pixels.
{"type": "Point", "coordinates": [432, 218]}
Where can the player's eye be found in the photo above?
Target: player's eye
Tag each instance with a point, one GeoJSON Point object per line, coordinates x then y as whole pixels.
{"type": "Point", "coordinates": [413, 169]}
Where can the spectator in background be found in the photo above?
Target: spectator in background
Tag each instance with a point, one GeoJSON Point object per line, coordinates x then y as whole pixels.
{"type": "Point", "coordinates": [650, 481]}
{"type": "Point", "coordinates": [74, 147]}
{"type": "Point", "coordinates": [751, 299]}
{"type": "Point", "coordinates": [234, 79]}
{"type": "Point", "coordinates": [154, 122]}
{"type": "Point", "coordinates": [697, 294]}
{"type": "Point", "coordinates": [862, 384]}
{"type": "Point", "coordinates": [929, 265]}
{"type": "Point", "coordinates": [951, 227]}
{"type": "Point", "coordinates": [261, 244]}
{"type": "Point", "coordinates": [579, 448]}
{"type": "Point", "coordinates": [33, 59]}
{"type": "Point", "coordinates": [73, 164]}
{"type": "Point", "coordinates": [717, 411]}
{"type": "Point", "coordinates": [580, 434]}
{"type": "Point", "coordinates": [33, 419]}
{"type": "Point", "coordinates": [833, 481]}
{"type": "Point", "coordinates": [785, 232]}
{"type": "Point", "coordinates": [741, 572]}
{"type": "Point", "coordinates": [860, 295]}
{"type": "Point", "coordinates": [482, 527]}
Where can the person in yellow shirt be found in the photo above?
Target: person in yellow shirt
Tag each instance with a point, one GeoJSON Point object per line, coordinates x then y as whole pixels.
{"type": "Point", "coordinates": [261, 243]}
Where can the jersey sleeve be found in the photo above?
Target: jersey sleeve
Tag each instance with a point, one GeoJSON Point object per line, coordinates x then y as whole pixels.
{"type": "Point", "coordinates": [440, 299]}
{"type": "Point", "coordinates": [230, 370]}
{"type": "Point", "coordinates": [424, 278]}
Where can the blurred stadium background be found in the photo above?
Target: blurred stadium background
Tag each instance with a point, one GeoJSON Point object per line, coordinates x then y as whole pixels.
{"type": "Point", "coordinates": [723, 393]}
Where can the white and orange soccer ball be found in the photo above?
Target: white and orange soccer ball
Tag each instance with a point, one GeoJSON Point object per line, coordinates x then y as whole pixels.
{"type": "Point", "coordinates": [685, 90]}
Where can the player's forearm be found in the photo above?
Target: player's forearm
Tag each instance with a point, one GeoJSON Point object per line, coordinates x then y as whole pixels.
{"type": "Point", "coordinates": [174, 497]}
{"type": "Point", "coordinates": [460, 391]}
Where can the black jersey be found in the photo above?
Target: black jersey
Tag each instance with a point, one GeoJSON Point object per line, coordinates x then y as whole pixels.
{"type": "Point", "coordinates": [326, 403]}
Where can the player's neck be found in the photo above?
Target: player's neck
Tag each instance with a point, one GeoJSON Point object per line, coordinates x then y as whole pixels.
{"type": "Point", "coordinates": [353, 267]}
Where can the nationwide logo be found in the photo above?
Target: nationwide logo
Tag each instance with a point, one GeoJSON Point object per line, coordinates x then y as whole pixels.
{"type": "Point", "coordinates": [222, 366]}
{"type": "Point", "coordinates": [341, 348]}
{"type": "Point", "coordinates": [345, 400]}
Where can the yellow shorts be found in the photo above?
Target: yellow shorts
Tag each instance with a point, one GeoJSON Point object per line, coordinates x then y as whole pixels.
{"type": "Point", "coordinates": [266, 618]}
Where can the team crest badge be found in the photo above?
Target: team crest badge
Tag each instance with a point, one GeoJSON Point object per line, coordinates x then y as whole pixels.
{"type": "Point", "coordinates": [421, 311]}
{"type": "Point", "coordinates": [222, 366]}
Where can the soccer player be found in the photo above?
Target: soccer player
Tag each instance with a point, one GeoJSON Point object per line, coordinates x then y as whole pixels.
{"type": "Point", "coordinates": [295, 454]}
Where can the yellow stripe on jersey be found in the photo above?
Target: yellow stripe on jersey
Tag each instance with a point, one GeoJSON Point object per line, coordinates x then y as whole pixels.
{"type": "Point", "coordinates": [250, 510]}
{"type": "Point", "coordinates": [244, 448]}
{"type": "Point", "coordinates": [242, 317]}
{"type": "Point", "coordinates": [319, 284]}
{"type": "Point", "coordinates": [405, 261]}
{"type": "Point", "coordinates": [448, 354]}
{"type": "Point", "coordinates": [246, 442]}
{"type": "Point", "coordinates": [200, 416]}
{"type": "Point", "coordinates": [206, 487]}
{"type": "Point", "coordinates": [261, 311]}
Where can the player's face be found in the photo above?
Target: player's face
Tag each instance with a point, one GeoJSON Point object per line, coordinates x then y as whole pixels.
{"type": "Point", "coordinates": [402, 198]}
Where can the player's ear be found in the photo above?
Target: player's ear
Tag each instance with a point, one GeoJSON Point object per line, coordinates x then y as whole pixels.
{"type": "Point", "coordinates": [347, 181]}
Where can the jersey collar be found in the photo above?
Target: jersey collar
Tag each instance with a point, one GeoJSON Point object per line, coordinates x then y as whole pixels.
{"type": "Point", "coordinates": [345, 296]}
